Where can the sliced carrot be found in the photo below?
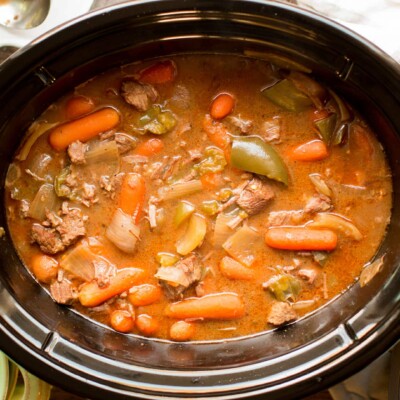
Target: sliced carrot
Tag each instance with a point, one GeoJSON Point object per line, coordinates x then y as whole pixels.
{"type": "Point", "coordinates": [181, 331]}
{"type": "Point", "coordinates": [132, 195]}
{"type": "Point", "coordinates": [218, 135]}
{"type": "Point", "coordinates": [147, 324]}
{"type": "Point", "coordinates": [122, 321]}
{"type": "Point", "coordinates": [84, 128]}
{"type": "Point", "coordinates": [300, 238]}
{"type": "Point", "coordinates": [232, 269]}
{"type": "Point", "coordinates": [314, 150]}
{"type": "Point", "coordinates": [212, 306]}
{"type": "Point", "coordinates": [44, 268]}
{"type": "Point", "coordinates": [91, 295]}
{"type": "Point", "coordinates": [149, 147]}
{"type": "Point", "coordinates": [212, 180]}
{"type": "Point", "coordinates": [222, 106]}
{"type": "Point", "coordinates": [145, 294]}
{"type": "Point", "coordinates": [160, 72]}
{"type": "Point", "coordinates": [77, 106]}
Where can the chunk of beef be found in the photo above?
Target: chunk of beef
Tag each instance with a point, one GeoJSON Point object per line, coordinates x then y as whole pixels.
{"type": "Point", "coordinates": [103, 271]}
{"type": "Point", "coordinates": [318, 203]}
{"type": "Point", "coordinates": [307, 274]}
{"type": "Point", "coordinates": [255, 196]}
{"type": "Point", "coordinates": [24, 209]}
{"type": "Point", "coordinates": [62, 292]}
{"type": "Point", "coordinates": [57, 233]}
{"type": "Point", "coordinates": [271, 130]}
{"type": "Point", "coordinates": [290, 217]}
{"type": "Point", "coordinates": [138, 95]}
{"type": "Point", "coordinates": [124, 142]}
{"type": "Point", "coordinates": [177, 278]}
{"type": "Point", "coordinates": [244, 125]}
{"type": "Point", "coordinates": [280, 314]}
{"type": "Point", "coordinates": [76, 151]}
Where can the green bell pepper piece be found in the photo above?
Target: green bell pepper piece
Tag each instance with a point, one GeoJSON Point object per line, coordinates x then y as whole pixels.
{"type": "Point", "coordinates": [286, 95]}
{"type": "Point", "coordinates": [326, 127]}
{"type": "Point", "coordinates": [252, 154]}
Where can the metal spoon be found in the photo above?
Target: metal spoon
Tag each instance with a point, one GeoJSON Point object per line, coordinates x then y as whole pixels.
{"type": "Point", "coordinates": [23, 14]}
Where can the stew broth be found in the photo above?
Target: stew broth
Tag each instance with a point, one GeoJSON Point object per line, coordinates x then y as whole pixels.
{"type": "Point", "coordinates": [267, 208]}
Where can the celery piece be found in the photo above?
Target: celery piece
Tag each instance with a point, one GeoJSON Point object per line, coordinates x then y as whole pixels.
{"type": "Point", "coordinates": [210, 207]}
{"type": "Point", "coordinates": [285, 94]}
{"type": "Point", "coordinates": [213, 161]}
{"type": "Point", "coordinates": [157, 121]}
{"type": "Point", "coordinates": [166, 259]}
{"type": "Point", "coordinates": [252, 154]}
{"type": "Point", "coordinates": [284, 287]}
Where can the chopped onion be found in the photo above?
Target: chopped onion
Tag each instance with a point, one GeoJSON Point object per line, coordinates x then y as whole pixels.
{"type": "Point", "coordinates": [123, 232]}
{"type": "Point", "coordinates": [320, 184]}
{"type": "Point", "coordinates": [105, 153]}
{"type": "Point", "coordinates": [370, 270]}
{"type": "Point", "coordinates": [45, 201]}
{"type": "Point", "coordinates": [194, 235]}
{"type": "Point", "coordinates": [79, 262]}
{"type": "Point", "coordinates": [241, 244]}
{"type": "Point", "coordinates": [180, 189]}
{"type": "Point", "coordinates": [222, 230]}
{"type": "Point", "coordinates": [13, 174]}
{"type": "Point", "coordinates": [39, 165]}
{"type": "Point", "coordinates": [36, 130]}
{"type": "Point", "coordinates": [336, 222]}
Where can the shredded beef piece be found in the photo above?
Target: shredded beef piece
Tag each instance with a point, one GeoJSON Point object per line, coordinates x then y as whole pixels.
{"type": "Point", "coordinates": [62, 292]}
{"type": "Point", "coordinates": [271, 131]}
{"type": "Point", "coordinates": [244, 125]}
{"type": "Point", "coordinates": [76, 151]}
{"type": "Point", "coordinates": [137, 94]}
{"type": "Point", "coordinates": [57, 233]}
{"type": "Point", "coordinates": [177, 278]}
{"type": "Point", "coordinates": [290, 217]}
{"type": "Point", "coordinates": [125, 142]}
{"type": "Point", "coordinates": [103, 272]}
{"type": "Point", "coordinates": [24, 209]}
{"type": "Point", "coordinates": [280, 314]}
{"type": "Point", "coordinates": [319, 202]}
{"type": "Point", "coordinates": [307, 274]}
{"type": "Point", "coordinates": [255, 196]}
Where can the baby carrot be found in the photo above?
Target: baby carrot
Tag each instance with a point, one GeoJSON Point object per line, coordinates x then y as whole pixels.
{"type": "Point", "coordinates": [91, 295]}
{"type": "Point", "coordinates": [300, 238]}
{"type": "Point", "coordinates": [145, 294]}
{"type": "Point", "coordinates": [77, 106]}
{"type": "Point", "coordinates": [147, 324]}
{"type": "Point", "coordinates": [132, 195]}
{"type": "Point", "coordinates": [160, 72]}
{"type": "Point", "coordinates": [84, 128]}
{"type": "Point", "coordinates": [212, 306]}
{"type": "Point", "coordinates": [222, 105]}
{"type": "Point", "coordinates": [149, 147]}
{"type": "Point", "coordinates": [216, 132]}
{"type": "Point", "coordinates": [44, 268]}
{"type": "Point", "coordinates": [181, 331]}
{"type": "Point", "coordinates": [212, 180]}
{"type": "Point", "coordinates": [314, 150]}
{"type": "Point", "coordinates": [232, 269]}
{"type": "Point", "coordinates": [122, 321]}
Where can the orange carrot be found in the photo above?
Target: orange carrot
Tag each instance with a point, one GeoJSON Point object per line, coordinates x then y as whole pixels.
{"type": "Point", "coordinates": [181, 331]}
{"type": "Point", "coordinates": [77, 106]}
{"type": "Point", "coordinates": [147, 324]}
{"type": "Point", "coordinates": [122, 321]}
{"type": "Point", "coordinates": [232, 269]}
{"type": "Point", "coordinates": [44, 268]}
{"type": "Point", "coordinates": [212, 306]}
{"type": "Point", "coordinates": [132, 195]}
{"type": "Point", "coordinates": [314, 150]}
{"type": "Point", "coordinates": [222, 105]}
{"type": "Point", "coordinates": [218, 135]}
{"type": "Point", "coordinates": [145, 294]}
{"type": "Point", "coordinates": [149, 147]}
{"type": "Point", "coordinates": [300, 238]}
{"type": "Point", "coordinates": [91, 295]}
{"type": "Point", "coordinates": [160, 72]}
{"type": "Point", "coordinates": [212, 180]}
{"type": "Point", "coordinates": [84, 128]}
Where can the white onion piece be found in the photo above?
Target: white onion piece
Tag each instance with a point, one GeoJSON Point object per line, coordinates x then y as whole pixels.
{"type": "Point", "coordinates": [45, 201]}
{"type": "Point", "coordinates": [123, 232]}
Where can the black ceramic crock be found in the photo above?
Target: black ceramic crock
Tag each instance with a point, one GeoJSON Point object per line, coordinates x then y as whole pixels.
{"type": "Point", "coordinates": [334, 342]}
